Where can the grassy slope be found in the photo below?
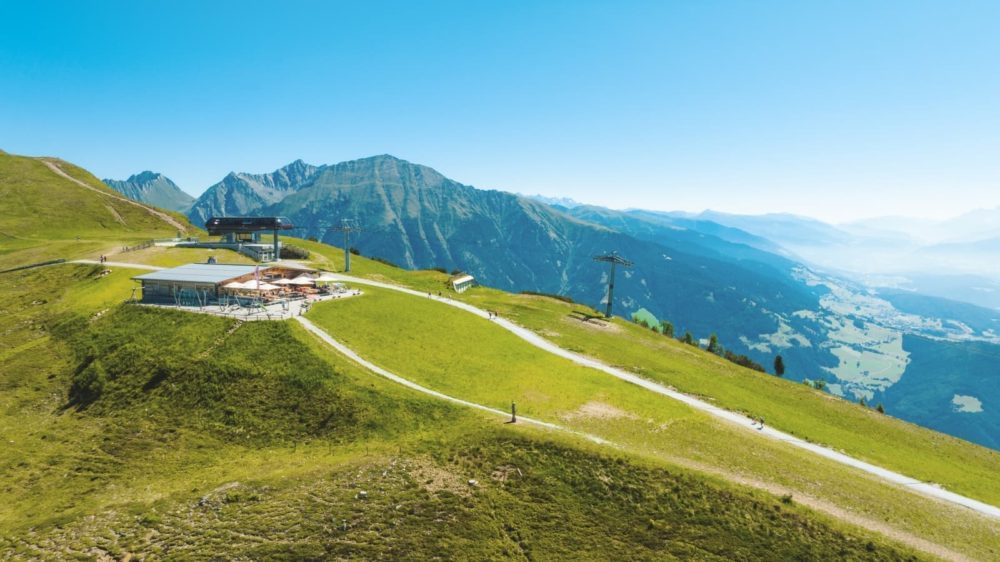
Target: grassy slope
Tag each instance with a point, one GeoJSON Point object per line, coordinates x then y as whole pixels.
{"type": "Point", "coordinates": [45, 216]}
{"type": "Point", "coordinates": [138, 458]}
{"type": "Point", "coordinates": [172, 257]}
{"type": "Point", "coordinates": [819, 417]}
{"type": "Point", "coordinates": [254, 441]}
{"type": "Point", "coordinates": [471, 358]}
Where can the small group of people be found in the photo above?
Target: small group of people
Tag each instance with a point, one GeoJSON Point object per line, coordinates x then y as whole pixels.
{"type": "Point", "coordinates": [492, 314]}
{"type": "Point", "coordinates": [755, 421]}
{"type": "Point", "coordinates": [104, 259]}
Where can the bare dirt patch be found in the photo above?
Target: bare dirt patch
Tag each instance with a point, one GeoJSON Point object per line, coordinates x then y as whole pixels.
{"type": "Point", "coordinates": [599, 411]}
{"type": "Point", "coordinates": [592, 323]}
{"type": "Point", "coordinates": [435, 479]}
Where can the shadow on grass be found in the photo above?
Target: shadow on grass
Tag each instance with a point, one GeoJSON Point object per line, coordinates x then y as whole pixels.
{"type": "Point", "coordinates": [585, 316]}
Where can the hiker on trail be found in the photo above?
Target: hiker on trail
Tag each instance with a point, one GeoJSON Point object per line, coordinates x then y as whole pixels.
{"type": "Point", "coordinates": [762, 422]}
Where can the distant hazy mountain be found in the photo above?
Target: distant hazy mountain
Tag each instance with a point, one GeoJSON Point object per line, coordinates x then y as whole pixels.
{"type": "Point", "coordinates": [968, 227]}
{"type": "Point", "coordinates": [703, 227]}
{"type": "Point", "coordinates": [241, 193]}
{"type": "Point", "coordinates": [564, 202]}
{"type": "Point", "coordinates": [790, 231]}
{"type": "Point", "coordinates": [957, 258]}
{"type": "Point", "coordinates": [704, 273]}
{"type": "Point", "coordinates": [154, 189]}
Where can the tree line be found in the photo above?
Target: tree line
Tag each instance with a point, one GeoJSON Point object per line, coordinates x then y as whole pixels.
{"type": "Point", "coordinates": [666, 328]}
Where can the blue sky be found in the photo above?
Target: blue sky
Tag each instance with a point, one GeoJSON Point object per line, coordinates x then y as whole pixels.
{"type": "Point", "coordinates": [838, 110]}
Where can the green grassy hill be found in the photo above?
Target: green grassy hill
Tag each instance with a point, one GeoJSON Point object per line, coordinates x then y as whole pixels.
{"type": "Point", "coordinates": [795, 408]}
{"type": "Point", "coordinates": [135, 431]}
{"type": "Point", "coordinates": [130, 430]}
{"type": "Point", "coordinates": [45, 215]}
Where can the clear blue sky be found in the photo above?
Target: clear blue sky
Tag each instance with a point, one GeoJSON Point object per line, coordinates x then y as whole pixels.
{"type": "Point", "coordinates": [832, 109]}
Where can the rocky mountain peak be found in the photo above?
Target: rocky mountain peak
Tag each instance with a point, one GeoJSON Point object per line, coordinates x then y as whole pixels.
{"type": "Point", "coordinates": [145, 177]}
{"type": "Point", "coordinates": [153, 188]}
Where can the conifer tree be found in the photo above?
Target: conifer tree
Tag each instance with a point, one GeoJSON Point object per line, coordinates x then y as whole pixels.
{"type": "Point", "coordinates": [779, 366]}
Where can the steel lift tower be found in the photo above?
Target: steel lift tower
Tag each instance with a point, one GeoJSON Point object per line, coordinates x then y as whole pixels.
{"type": "Point", "coordinates": [614, 259]}
{"type": "Point", "coordinates": [347, 227]}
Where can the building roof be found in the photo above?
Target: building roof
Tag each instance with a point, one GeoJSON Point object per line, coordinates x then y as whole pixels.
{"type": "Point", "coordinates": [462, 279]}
{"type": "Point", "coordinates": [199, 273]}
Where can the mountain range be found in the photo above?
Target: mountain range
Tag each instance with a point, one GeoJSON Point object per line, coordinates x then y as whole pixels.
{"type": "Point", "coordinates": [755, 282]}
{"type": "Point", "coordinates": [155, 189]}
{"type": "Point", "coordinates": [134, 431]}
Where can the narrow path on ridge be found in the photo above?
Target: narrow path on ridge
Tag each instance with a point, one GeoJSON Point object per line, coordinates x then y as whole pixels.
{"type": "Point", "coordinates": [159, 214]}
{"type": "Point", "coordinates": [120, 264]}
{"type": "Point", "coordinates": [527, 335]}
{"type": "Point", "coordinates": [823, 506]}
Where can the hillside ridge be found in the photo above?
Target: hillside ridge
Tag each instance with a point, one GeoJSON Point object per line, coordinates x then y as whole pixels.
{"type": "Point", "coordinates": [52, 165]}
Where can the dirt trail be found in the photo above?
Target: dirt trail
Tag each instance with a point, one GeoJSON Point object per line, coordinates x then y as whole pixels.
{"type": "Point", "coordinates": [913, 541]}
{"type": "Point", "coordinates": [161, 215]}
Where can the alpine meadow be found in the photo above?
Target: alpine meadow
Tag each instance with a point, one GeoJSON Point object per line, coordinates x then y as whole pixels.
{"type": "Point", "coordinates": [567, 281]}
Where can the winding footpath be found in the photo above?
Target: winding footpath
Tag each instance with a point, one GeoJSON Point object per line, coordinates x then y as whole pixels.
{"type": "Point", "coordinates": [350, 354]}
{"type": "Point", "coordinates": [124, 264]}
{"type": "Point", "coordinates": [158, 214]}
{"type": "Point", "coordinates": [924, 488]}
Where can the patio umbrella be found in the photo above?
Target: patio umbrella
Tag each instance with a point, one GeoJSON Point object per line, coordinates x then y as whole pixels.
{"type": "Point", "coordinates": [260, 286]}
{"type": "Point", "coordinates": [234, 285]}
{"type": "Point", "coordinates": [282, 281]}
{"type": "Point", "coordinates": [300, 280]}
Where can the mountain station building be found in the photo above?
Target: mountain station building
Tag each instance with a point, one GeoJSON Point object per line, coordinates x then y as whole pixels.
{"type": "Point", "coordinates": [201, 284]}
{"type": "Point", "coordinates": [245, 235]}
{"type": "Point", "coordinates": [461, 283]}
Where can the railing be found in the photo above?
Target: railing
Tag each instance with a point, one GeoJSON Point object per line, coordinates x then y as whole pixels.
{"type": "Point", "coordinates": [139, 246]}
{"type": "Point", "coordinates": [170, 240]}
{"type": "Point", "coordinates": [31, 265]}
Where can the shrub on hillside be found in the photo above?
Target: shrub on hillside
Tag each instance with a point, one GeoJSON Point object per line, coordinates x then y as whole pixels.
{"type": "Point", "coordinates": [743, 361]}
{"type": "Point", "coordinates": [689, 339]}
{"type": "Point", "coordinates": [294, 252]}
{"type": "Point", "coordinates": [87, 384]}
